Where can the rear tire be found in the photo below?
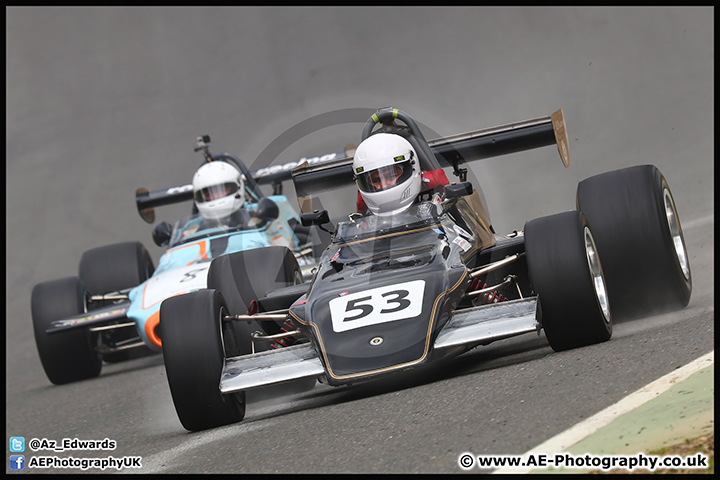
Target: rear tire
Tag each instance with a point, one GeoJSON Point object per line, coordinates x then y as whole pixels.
{"type": "Point", "coordinates": [194, 355]}
{"type": "Point", "coordinates": [637, 230]}
{"type": "Point", "coordinates": [566, 274]}
{"type": "Point", "coordinates": [67, 356]}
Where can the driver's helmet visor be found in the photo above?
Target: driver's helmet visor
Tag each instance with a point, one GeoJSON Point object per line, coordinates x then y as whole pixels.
{"type": "Point", "coordinates": [214, 192]}
{"type": "Point", "coordinates": [383, 178]}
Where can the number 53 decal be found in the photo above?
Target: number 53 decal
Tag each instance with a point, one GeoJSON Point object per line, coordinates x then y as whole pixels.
{"type": "Point", "coordinates": [377, 305]}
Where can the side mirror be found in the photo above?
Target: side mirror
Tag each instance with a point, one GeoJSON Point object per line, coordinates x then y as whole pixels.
{"type": "Point", "coordinates": [457, 190]}
{"type": "Point", "coordinates": [267, 210]}
{"type": "Point", "coordinates": [315, 218]}
{"type": "Point", "coordinates": [161, 234]}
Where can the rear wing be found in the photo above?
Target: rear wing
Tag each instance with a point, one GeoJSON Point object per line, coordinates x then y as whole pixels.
{"type": "Point", "coordinates": [313, 175]}
{"type": "Point", "coordinates": [274, 175]}
{"type": "Point", "coordinates": [450, 151]}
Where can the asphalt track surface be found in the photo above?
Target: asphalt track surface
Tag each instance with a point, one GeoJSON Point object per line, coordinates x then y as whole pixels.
{"type": "Point", "coordinates": [101, 101]}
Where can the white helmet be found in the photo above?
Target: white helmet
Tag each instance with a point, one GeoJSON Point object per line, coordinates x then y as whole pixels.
{"type": "Point", "coordinates": [218, 190]}
{"type": "Point", "coordinates": [387, 173]}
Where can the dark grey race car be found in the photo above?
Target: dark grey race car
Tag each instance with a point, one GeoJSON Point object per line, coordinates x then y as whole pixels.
{"type": "Point", "coordinates": [395, 294]}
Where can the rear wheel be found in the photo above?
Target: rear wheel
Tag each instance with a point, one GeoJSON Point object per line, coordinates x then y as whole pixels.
{"type": "Point", "coordinates": [66, 356]}
{"type": "Point", "coordinates": [566, 274]}
{"type": "Point", "coordinates": [194, 351]}
{"type": "Point", "coordinates": [637, 228]}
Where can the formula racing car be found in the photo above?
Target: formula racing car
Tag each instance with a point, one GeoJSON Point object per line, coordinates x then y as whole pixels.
{"type": "Point", "coordinates": [113, 304]}
{"type": "Point", "coordinates": [392, 293]}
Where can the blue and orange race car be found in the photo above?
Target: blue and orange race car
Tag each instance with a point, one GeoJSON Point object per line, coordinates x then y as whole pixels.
{"type": "Point", "coordinates": [113, 304]}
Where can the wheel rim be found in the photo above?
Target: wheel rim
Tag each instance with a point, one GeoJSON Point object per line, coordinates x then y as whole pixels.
{"type": "Point", "coordinates": [596, 272]}
{"type": "Point", "coordinates": [676, 233]}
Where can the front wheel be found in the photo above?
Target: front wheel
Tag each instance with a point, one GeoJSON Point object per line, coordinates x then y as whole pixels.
{"type": "Point", "coordinates": [66, 356]}
{"type": "Point", "coordinates": [249, 275]}
{"type": "Point", "coordinates": [115, 267]}
{"type": "Point", "coordinates": [567, 276]}
{"type": "Point", "coordinates": [194, 352]}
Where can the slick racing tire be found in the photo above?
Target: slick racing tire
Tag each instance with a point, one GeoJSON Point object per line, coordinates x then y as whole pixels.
{"type": "Point", "coordinates": [248, 275]}
{"type": "Point", "coordinates": [66, 356]}
{"type": "Point", "coordinates": [111, 268]}
{"type": "Point", "coordinates": [566, 274]}
{"type": "Point", "coordinates": [637, 231]}
{"type": "Point", "coordinates": [115, 267]}
{"type": "Point", "coordinates": [194, 353]}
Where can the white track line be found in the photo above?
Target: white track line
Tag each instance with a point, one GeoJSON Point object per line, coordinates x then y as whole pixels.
{"type": "Point", "coordinates": [573, 435]}
{"type": "Point", "coordinates": [174, 457]}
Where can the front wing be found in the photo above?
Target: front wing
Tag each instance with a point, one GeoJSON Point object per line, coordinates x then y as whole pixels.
{"type": "Point", "coordinates": [100, 316]}
{"type": "Point", "coordinates": [466, 328]}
